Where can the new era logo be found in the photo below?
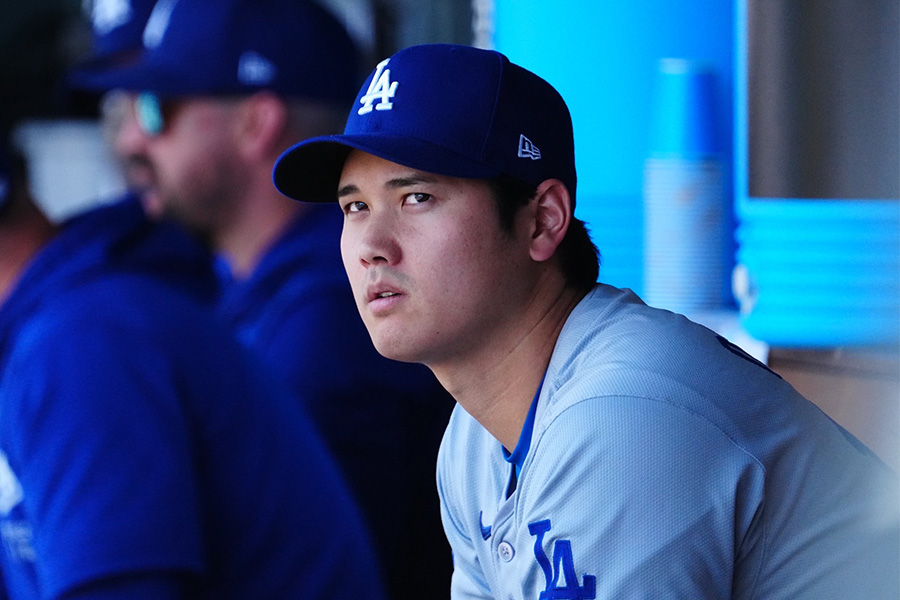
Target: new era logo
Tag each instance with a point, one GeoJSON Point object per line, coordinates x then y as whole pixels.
{"type": "Point", "coordinates": [255, 69]}
{"type": "Point", "coordinates": [527, 149]}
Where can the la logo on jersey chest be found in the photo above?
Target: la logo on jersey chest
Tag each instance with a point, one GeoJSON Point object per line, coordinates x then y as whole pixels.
{"type": "Point", "coordinates": [559, 573]}
{"type": "Point", "coordinates": [381, 89]}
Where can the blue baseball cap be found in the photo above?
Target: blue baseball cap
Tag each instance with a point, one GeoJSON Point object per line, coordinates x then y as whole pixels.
{"type": "Point", "coordinates": [118, 25]}
{"type": "Point", "coordinates": [446, 109]}
{"type": "Point", "coordinates": [198, 47]}
{"type": "Point", "coordinates": [116, 37]}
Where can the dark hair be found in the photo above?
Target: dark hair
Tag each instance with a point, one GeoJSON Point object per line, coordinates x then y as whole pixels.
{"type": "Point", "coordinates": [578, 256]}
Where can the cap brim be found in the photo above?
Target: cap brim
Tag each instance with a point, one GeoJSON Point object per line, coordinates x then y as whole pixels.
{"type": "Point", "coordinates": [135, 77]}
{"type": "Point", "coordinates": [83, 76]}
{"type": "Point", "coordinates": [311, 170]}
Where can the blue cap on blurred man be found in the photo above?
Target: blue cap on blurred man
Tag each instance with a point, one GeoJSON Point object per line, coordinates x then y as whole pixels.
{"type": "Point", "coordinates": [447, 109]}
{"type": "Point", "coordinates": [118, 25]}
{"type": "Point", "coordinates": [202, 47]}
{"type": "Point", "coordinates": [116, 30]}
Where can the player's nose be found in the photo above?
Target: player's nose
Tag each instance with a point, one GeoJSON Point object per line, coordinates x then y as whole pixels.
{"type": "Point", "coordinates": [128, 139]}
{"type": "Point", "coordinates": [374, 241]}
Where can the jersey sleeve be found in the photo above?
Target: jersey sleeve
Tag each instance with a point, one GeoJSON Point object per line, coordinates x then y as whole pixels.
{"type": "Point", "coordinates": [96, 436]}
{"type": "Point", "coordinates": [634, 498]}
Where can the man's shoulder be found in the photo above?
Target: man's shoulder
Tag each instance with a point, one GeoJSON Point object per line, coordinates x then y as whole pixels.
{"type": "Point", "coordinates": [608, 315]}
{"type": "Point", "coordinates": [613, 332]}
{"type": "Point", "coordinates": [111, 298]}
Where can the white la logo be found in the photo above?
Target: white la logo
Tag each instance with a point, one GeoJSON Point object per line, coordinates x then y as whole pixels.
{"type": "Point", "coordinates": [381, 88]}
{"type": "Point", "coordinates": [106, 15]}
{"type": "Point", "coordinates": [256, 69]}
{"type": "Point", "coordinates": [158, 22]}
{"type": "Point", "coordinates": [10, 489]}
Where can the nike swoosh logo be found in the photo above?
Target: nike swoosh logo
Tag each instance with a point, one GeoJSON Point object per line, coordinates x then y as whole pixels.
{"type": "Point", "coordinates": [485, 531]}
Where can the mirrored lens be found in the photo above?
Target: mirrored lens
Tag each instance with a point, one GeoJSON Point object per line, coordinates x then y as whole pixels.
{"type": "Point", "coordinates": [149, 113]}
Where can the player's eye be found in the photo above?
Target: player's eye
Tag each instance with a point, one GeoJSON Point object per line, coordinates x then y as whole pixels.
{"type": "Point", "coordinates": [355, 207]}
{"type": "Point", "coordinates": [417, 198]}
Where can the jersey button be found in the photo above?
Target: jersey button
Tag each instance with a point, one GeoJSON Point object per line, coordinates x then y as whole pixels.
{"type": "Point", "coordinates": [505, 551]}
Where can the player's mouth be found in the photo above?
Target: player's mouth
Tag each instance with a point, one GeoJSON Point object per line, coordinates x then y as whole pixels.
{"type": "Point", "coordinates": [383, 294]}
{"type": "Point", "coordinates": [382, 297]}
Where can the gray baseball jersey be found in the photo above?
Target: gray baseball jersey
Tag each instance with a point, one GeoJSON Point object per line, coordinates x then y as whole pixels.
{"type": "Point", "coordinates": [664, 462]}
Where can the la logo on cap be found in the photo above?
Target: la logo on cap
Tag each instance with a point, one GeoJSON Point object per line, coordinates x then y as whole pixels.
{"type": "Point", "coordinates": [106, 15]}
{"type": "Point", "coordinates": [381, 89]}
{"type": "Point", "coordinates": [158, 22]}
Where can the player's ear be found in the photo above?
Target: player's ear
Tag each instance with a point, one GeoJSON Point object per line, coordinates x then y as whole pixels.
{"type": "Point", "coordinates": [260, 123]}
{"type": "Point", "coordinates": [552, 215]}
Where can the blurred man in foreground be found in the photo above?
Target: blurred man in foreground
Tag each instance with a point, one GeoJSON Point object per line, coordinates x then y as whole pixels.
{"type": "Point", "coordinates": [143, 454]}
{"type": "Point", "coordinates": [220, 91]}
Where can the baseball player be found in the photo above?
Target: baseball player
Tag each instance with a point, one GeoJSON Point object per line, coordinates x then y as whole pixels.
{"type": "Point", "coordinates": [142, 454]}
{"type": "Point", "coordinates": [220, 90]}
{"type": "Point", "coordinates": [599, 448]}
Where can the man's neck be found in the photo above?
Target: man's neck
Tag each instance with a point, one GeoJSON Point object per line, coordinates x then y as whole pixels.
{"type": "Point", "coordinates": [250, 235]}
{"type": "Point", "coordinates": [19, 243]}
{"type": "Point", "coordinates": [497, 385]}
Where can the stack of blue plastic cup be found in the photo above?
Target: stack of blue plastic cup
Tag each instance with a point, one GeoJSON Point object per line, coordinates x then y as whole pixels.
{"type": "Point", "coordinates": [685, 245]}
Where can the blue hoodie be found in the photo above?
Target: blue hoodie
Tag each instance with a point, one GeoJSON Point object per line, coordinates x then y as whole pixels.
{"type": "Point", "coordinates": [136, 436]}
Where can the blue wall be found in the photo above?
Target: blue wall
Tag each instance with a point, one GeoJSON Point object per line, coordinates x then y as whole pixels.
{"type": "Point", "coordinates": [603, 58]}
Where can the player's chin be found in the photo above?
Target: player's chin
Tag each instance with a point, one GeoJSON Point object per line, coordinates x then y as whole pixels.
{"type": "Point", "coordinates": [152, 203]}
{"type": "Point", "coordinates": [394, 345]}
